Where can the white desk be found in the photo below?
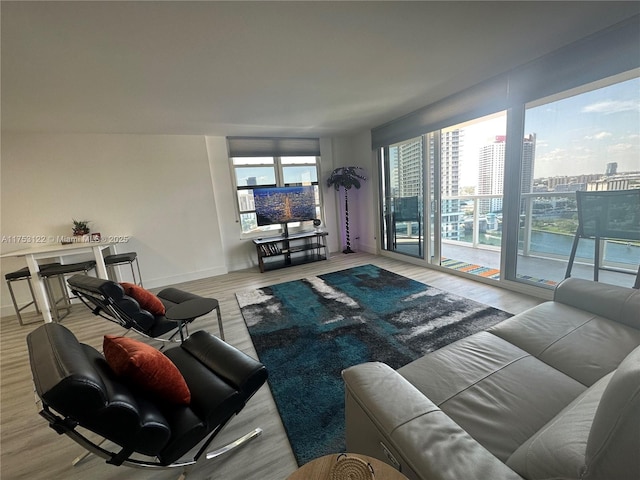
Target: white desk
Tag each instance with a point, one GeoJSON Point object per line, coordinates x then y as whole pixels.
{"type": "Point", "coordinates": [33, 254]}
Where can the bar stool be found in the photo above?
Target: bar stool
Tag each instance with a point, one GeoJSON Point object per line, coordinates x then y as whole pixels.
{"type": "Point", "coordinates": [58, 272]}
{"type": "Point", "coordinates": [112, 261]}
{"type": "Point", "coordinates": [17, 276]}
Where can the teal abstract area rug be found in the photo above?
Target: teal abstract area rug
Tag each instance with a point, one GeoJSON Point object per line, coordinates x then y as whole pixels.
{"type": "Point", "coordinates": [307, 331]}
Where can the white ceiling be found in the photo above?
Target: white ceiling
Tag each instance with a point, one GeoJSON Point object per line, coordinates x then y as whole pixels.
{"type": "Point", "coordinates": [310, 68]}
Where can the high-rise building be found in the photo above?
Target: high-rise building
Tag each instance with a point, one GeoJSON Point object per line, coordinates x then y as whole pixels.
{"type": "Point", "coordinates": [408, 159]}
{"type": "Point", "coordinates": [408, 196]}
{"type": "Point", "coordinates": [491, 174]}
{"type": "Point", "coordinates": [410, 170]}
{"type": "Point", "coordinates": [528, 154]}
{"type": "Point", "coordinates": [393, 172]}
{"type": "Point", "coordinates": [451, 143]}
{"type": "Point", "coordinates": [491, 171]}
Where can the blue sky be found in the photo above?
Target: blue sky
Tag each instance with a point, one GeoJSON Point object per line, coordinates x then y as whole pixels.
{"type": "Point", "coordinates": [581, 134]}
{"type": "Point", "coordinates": [577, 135]}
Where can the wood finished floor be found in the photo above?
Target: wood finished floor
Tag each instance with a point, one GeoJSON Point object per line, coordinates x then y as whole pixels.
{"type": "Point", "coordinates": [31, 450]}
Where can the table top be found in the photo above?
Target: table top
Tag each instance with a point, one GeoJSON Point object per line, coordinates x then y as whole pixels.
{"type": "Point", "coordinates": [320, 468]}
{"type": "Point", "coordinates": [53, 248]}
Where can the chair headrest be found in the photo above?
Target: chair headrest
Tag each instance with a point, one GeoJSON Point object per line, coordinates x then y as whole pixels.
{"type": "Point", "coordinates": [96, 286]}
{"type": "Point", "coordinates": [64, 375]}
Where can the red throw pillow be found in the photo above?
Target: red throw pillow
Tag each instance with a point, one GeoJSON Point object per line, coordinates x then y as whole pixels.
{"type": "Point", "coordinates": [146, 368]}
{"type": "Point", "coordinates": [145, 298]}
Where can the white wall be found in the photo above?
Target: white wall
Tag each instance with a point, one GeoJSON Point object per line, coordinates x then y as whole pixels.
{"type": "Point", "coordinates": [356, 151]}
{"type": "Point", "coordinates": [240, 252]}
{"type": "Point", "coordinates": [367, 197]}
{"type": "Point", "coordinates": [172, 193]}
{"type": "Point", "coordinates": [156, 188]}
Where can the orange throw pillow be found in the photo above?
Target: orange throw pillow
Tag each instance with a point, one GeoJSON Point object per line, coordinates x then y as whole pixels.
{"type": "Point", "coordinates": [142, 366]}
{"type": "Point", "coordinates": [145, 298]}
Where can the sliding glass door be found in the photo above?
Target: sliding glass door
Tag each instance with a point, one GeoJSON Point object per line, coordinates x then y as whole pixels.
{"type": "Point", "coordinates": [495, 168]}
{"type": "Point", "coordinates": [402, 196]}
{"type": "Point", "coordinates": [465, 165]}
{"type": "Point", "coordinates": [471, 178]}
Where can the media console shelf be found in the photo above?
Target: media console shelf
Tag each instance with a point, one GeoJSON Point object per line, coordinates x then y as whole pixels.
{"type": "Point", "coordinates": [282, 252]}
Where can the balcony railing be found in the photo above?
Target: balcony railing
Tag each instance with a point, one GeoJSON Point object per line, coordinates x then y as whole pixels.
{"type": "Point", "coordinates": [548, 221]}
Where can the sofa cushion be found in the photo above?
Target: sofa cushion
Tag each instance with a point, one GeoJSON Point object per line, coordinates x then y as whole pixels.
{"type": "Point", "coordinates": [478, 382]}
{"type": "Point", "coordinates": [580, 344]}
{"type": "Point", "coordinates": [557, 450]}
{"type": "Point", "coordinates": [610, 301]}
{"type": "Point", "coordinates": [614, 441]}
{"type": "Point", "coordinates": [596, 437]}
{"type": "Point", "coordinates": [383, 408]}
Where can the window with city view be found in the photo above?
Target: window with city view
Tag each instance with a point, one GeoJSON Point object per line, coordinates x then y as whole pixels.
{"type": "Point", "coordinates": [403, 198]}
{"type": "Point", "coordinates": [587, 139]}
{"type": "Point", "coordinates": [472, 157]}
{"type": "Point", "coordinates": [584, 139]}
{"type": "Point", "coordinates": [253, 172]}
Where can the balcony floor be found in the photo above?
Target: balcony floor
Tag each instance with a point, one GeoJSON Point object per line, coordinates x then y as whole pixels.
{"type": "Point", "coordinates": [541, 270]}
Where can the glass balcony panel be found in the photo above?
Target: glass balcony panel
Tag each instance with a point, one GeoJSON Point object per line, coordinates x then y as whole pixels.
{"type": "Point", "coordinates": [582, 140]}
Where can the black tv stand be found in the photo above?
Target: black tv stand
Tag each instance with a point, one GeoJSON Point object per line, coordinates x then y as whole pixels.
{"type": "Point", "coordinates": [289, 250]}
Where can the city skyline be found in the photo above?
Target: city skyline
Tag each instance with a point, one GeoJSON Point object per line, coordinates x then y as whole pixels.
{"type": "Point", "coordinates": [578, 135]}
{"type": "Point", "coordinates": [583, 133]}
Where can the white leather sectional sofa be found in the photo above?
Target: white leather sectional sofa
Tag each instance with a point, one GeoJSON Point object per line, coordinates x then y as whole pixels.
{"type": "Point", "coordinates": [551, 393]}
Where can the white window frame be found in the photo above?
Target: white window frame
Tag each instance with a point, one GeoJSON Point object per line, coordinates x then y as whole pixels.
{"type": "Point", "coordinates": [279, 164]}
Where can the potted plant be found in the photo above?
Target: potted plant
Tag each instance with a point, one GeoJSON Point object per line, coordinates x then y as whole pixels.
{"type": "Point", "coordinates": [80, 228]}
{"type": "Point", "coordinates": [346, 177]}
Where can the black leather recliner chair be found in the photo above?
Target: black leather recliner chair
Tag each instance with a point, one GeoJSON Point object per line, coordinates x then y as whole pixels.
{"type": "Point", "coordinates": [108, 300]}
{"type": "Point", "coordinates": [78, 389]}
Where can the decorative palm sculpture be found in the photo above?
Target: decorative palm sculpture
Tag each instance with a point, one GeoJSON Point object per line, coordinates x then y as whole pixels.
{"type": "Point", "coordinates": [345, 177]}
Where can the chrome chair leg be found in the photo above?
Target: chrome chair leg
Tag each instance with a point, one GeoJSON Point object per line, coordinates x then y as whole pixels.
{"type": "Point", "coordinates": [81, 457]}
{"type": "Point", "coordinates": [235, 444]}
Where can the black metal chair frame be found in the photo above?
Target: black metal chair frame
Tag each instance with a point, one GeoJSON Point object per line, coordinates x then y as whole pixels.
{"type": "Point", "coordinates": [115, 260]}
{"type": "Point", "coordinates": [64, 369]}
{"type": "Point", "coordinates": [69, 427]}
{"type": "Point", "coordinates": [58, 272]}
{"type": "Point", "coordinates": [107, 299]}
{"type": "Point", "coordinates": [605, 215]}
{"type": "Point", "coordinates": [19, 276]}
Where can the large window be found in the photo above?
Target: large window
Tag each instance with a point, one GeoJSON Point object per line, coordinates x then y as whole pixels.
{"type": "Point", "coordinates": [584, 139]}
{"type": "Point", "coordinates": [465, 165]}
{"type": "Point", "coordinates": [403, 186]}
{"type": "Point", "coordinates": [253, 172]}
{"type": "Point", "coordinates": [259, 162]}
{"type": "Point", "coordinates": [502, 162]}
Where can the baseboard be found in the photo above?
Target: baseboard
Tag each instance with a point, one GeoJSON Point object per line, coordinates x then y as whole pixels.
{"type": "Point", "coordinates": [185, 277]}
{"type": "Point", "coordinates": [7, 310]}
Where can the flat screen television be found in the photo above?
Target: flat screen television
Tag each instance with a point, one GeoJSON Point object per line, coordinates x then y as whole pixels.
{"type": "Point", "coordinates": [284, 204]}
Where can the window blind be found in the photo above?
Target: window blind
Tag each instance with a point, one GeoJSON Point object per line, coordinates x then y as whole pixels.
{"type": "Point", "coordinates": [273, 147]}
{"type": "Point", "coordinates": [606, 53]}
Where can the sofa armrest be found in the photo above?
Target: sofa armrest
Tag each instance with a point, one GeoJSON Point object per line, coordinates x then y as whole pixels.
{"type": "Point", "coordinates": [617, 303]}
{"type": "Point", "coordinates": [389, 419]}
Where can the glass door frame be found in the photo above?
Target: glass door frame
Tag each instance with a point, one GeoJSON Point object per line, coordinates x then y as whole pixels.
{"type": "Point", "coordinates": [432, 157]}
{"type": "Point", "coordinates": [433, 167]}
{"type": "Point", "coordinates": [387, 205]}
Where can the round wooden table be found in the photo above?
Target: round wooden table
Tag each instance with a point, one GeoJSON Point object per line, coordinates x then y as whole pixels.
{"type": "Point", "coordinates": [320, 468]}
